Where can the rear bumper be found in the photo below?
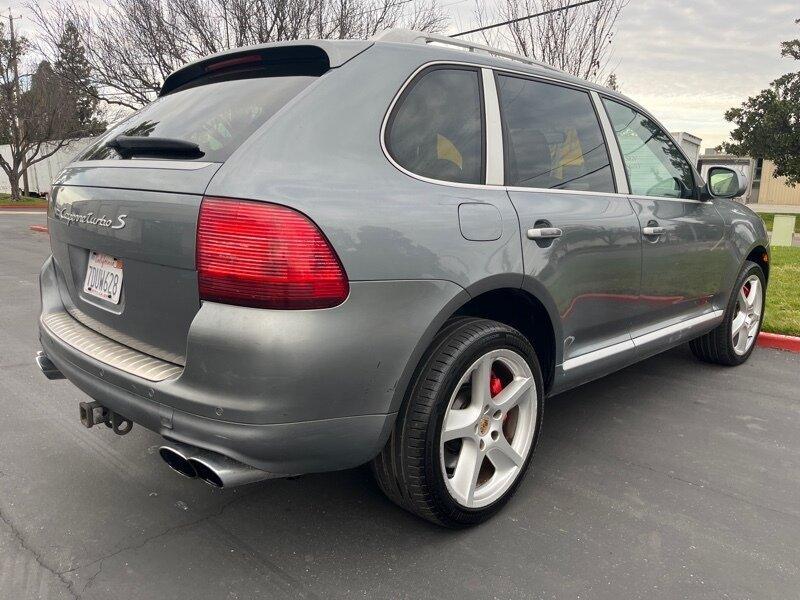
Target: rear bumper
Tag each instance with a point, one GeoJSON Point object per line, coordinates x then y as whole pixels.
{"type": "Point", "coordinates": [287, 392]}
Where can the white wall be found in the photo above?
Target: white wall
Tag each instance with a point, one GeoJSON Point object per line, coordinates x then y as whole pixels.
{"type": "Point", "coordinates": [41, 175]}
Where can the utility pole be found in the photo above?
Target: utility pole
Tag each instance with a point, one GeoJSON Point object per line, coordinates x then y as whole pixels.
{"type": "Point", "coordinates": [18, 128]}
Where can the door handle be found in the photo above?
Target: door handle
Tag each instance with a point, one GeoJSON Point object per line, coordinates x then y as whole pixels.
{"type": "Point", "coordinates": [544, 233]}
{"type": "Point", "coordinates": [654, 230]}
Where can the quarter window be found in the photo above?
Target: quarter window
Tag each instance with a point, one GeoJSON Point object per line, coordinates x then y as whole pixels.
{"type": "Point", "coordinates": [553, 137]}
{"type": "Point", "coordinates": [654, 164]}
{"type": "Point", "coordinates": [436, 130]}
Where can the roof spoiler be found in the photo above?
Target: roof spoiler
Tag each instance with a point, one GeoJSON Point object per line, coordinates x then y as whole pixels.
{"type": "Point", "coordinates": [306, 57]}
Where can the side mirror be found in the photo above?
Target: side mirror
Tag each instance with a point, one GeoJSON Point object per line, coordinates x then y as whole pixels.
{"type": "Point", "coordinates": [726, 183]}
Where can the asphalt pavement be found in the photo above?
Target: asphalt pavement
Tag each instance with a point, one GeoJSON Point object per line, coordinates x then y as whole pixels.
{"type": "Point", "coordinates": [671, 479]}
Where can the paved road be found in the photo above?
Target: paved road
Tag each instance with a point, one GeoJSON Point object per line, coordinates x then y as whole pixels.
{"type": "Point", "coordinates": [670, 479]}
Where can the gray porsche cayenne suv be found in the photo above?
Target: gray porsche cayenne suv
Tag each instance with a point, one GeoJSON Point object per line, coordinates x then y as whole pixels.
{"type": "Point", "coordinates": [309, 256]}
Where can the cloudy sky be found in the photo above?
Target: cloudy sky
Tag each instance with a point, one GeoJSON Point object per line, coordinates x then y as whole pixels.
{"type": "Point", "coordinates": [687, 61]}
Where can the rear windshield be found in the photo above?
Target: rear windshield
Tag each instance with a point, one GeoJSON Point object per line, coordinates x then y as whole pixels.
{"type": "Point", "coordinates": [218, 116]}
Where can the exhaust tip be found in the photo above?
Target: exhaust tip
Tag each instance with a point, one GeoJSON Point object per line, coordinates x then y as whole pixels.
{"type": "Point", "coordinates": [47, 367]}
{"type": "Point", "coordinates": [206, 473]}
{"type": "Point", "coordinates": [177, 461]}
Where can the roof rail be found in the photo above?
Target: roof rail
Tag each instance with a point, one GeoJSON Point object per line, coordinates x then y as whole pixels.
{"type": "Point", "coordinates": [408, 36]}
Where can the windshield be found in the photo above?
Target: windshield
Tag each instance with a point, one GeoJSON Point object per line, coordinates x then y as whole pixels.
{"type": "Point", "coordinates": [217, 117]}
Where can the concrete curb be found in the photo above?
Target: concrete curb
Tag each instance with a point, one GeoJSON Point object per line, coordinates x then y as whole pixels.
{"type": "Point", "coordinates": [779, 342]}
{"type": "Point", "coordinates": [33, 208]}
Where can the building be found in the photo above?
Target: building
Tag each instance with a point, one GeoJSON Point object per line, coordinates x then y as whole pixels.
{"type": "Point", "coordinates": [763, 187]}
{"type": "Point", "coordinates": [690, 144]}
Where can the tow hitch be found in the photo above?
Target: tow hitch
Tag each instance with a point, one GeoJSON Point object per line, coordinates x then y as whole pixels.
{"type": "Point", "coordinates": [94, 413]}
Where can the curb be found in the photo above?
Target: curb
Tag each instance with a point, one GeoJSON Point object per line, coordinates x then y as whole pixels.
{"type": "Point", "coordinates": [13, 208]}
{"type": "Point", "coordinates": [39, 228]}
{"type": "Point", "coordinates": [779, 342]}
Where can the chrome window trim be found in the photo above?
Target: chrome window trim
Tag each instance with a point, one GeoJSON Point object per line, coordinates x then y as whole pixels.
{"type": "Point", "coordinates": [507, 188]}
{"type": "Point", "coordinates": [495, 167]}
{"type": "Point", "coordinates": [641, 340]}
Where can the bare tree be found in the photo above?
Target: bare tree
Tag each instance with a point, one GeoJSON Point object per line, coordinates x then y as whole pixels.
{"type": "Point", "coordinates": [577, 40]}
{"type": "Point", "coordinates": [132, 45]}
{"type": "Point", "coordinates": [35, 120]}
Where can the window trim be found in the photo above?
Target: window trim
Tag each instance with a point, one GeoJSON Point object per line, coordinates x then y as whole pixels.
{"type": "Point", "coordinates": [406, 89]}
{"type": "Point", "coordinates": [692, 169]}
{"type": "Point", "coordinates": [547, 81]}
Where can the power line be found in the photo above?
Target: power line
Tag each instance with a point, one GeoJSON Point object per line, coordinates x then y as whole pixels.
{"type": "Point", "coordinates": [517, 20]}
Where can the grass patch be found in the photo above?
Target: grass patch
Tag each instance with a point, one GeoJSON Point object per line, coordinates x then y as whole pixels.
{"type": "Point", "coordinates": [769, 218]}
{"type": "Point", "coordinates": [783, 298]}
{"type": "Point", "coordinates": [28, 201]}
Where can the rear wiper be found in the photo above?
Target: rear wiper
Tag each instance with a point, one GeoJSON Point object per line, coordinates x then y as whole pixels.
{"type": "Point", "coordinates": [128, 146]}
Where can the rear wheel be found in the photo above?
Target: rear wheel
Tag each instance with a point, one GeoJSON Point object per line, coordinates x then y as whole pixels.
{"type": "Point", "coordinates": [466, 433]}
{"type": "Point", "coordinates": [732, 342]}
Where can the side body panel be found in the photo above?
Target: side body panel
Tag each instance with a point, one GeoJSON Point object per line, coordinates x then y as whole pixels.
{"type": "Point", "coordinates": [682, 269]}
{"type": "Point", "coordinates": [592, 271]}
{"type": "Point", "coordinates": [323, 157]}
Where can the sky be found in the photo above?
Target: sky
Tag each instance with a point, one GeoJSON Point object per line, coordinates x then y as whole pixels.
{"type": "Point", "coordinates": [686, 61]}
{"type": "Point", "coordinates": [689, 61]}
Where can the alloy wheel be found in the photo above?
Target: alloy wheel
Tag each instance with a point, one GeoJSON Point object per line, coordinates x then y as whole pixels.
{"type": "Point", "coordinates": [488, 428]}
{"type": "Point", "coordinates": [749, 307]}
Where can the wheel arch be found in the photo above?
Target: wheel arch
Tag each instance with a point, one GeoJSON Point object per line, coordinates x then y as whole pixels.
{"type": "Point", "coordinates": [506, 302]}
{"type": "Point", "coordinates": [760, 256]}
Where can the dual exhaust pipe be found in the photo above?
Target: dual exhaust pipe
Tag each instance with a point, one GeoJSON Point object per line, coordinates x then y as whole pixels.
{"type": "Point", "coordinates": [215, 469]}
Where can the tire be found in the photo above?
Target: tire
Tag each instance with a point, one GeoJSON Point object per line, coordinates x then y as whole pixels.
{"type": "Point", "coordinates": [721, 346]}
{"type": "Point", "coordinates": [496, 428]}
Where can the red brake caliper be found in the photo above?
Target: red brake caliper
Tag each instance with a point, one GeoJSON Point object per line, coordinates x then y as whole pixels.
{"type": "Point", "coordinates": [495, 385]}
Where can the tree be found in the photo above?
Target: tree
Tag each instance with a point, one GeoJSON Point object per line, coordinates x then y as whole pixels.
{"type": "Point", "coordinates": [576, 40]}
{"type": "Point", "coordinates": [75, 73]}
{"type": "Point", "coordinates": [35, 122]}
{"type": "Point", "coordinates": [612, 83]}
{"type": "Point", "coordinates": [768, 124]}
{"type": "Point", "coordinates": [132, 45]}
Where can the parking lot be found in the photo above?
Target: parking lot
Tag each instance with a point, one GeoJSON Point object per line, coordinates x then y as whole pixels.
{"type": "Point", "coordinates": [670, 479]}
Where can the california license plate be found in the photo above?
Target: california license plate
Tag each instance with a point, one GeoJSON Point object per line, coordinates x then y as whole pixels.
{"type": "Point", "coordinates": [103, 277]}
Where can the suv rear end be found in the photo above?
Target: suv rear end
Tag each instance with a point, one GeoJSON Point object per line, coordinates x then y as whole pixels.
{"type": "Point", "coordinates": [236, 290]}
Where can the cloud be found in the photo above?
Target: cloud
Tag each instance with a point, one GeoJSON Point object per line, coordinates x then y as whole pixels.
{"type": "Point", "coordinates": [690, 63]}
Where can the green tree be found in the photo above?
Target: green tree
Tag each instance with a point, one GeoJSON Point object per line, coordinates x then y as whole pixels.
{"type": "Point", "coordinates": [768, 124]}
{"type": "Point", "coordinates": [75, 73]}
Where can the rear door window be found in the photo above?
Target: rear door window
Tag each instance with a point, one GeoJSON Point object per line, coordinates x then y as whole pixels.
{"type": "Point", "coordinates": [552, 136]}
{"type": "Point", "coordinates": [436, 129]}
{"type": "Point", "coordinates": [217, 116]}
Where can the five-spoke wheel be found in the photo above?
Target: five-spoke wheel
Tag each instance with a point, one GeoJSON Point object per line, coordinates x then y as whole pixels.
{"type": "Point", "coordinates": [488, 428]}
{"type": "Point", "coordinates": [732, 342]}
{"type": "Point", "coordinates": [746, 323]}
{"type": "Point", "coordinates": [468, 427]}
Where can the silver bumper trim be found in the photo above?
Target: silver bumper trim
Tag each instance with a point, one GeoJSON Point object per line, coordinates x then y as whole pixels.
{"type": "Point", "coordinates": [89, 342]}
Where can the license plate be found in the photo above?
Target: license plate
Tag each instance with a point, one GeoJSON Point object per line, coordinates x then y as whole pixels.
{"type": "Point", "coordinates": [103, 277]}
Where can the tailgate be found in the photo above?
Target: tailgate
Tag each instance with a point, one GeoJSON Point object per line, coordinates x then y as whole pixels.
{"type": "Point", "coordinates": [152, 236]}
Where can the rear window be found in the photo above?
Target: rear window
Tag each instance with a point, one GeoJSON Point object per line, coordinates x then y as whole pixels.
{"type": "Point", "coordinates": [217, 116]}
{"type": "Point", "coordinates": [437, 128]}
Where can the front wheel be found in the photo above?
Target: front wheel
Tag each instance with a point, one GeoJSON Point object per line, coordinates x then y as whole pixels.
{"type": "Point", "coordinates": [466, 433]}
{"type": "Point", "coordinates": [733, 340]}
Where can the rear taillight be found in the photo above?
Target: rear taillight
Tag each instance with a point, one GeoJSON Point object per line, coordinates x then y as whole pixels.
{"type": "Point", "coordinates": [265, 255]}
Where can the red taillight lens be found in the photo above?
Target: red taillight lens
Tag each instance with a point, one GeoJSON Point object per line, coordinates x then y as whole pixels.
{"type": "Point", "coordinates": [265, 255]}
